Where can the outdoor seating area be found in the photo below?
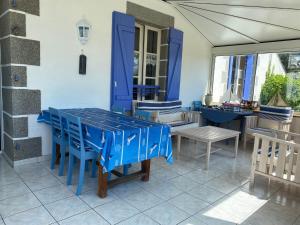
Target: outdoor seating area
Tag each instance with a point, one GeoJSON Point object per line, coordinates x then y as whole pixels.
{"type": "Point", "coordinates": [149, 112]}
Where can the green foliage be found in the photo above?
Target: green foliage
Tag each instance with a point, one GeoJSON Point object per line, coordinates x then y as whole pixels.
{"type": "Point", "coordinates": [288, 88]}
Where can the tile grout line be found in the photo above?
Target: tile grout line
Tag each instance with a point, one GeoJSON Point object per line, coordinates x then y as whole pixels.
{"type": "Point", "coordinates": [37, 199]}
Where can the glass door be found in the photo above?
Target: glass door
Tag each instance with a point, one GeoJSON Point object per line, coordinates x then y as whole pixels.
{"type": "Point", "coordinates": [151, 59]}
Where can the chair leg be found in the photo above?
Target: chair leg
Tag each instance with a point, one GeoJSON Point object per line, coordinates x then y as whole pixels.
{"type": "Point", "coordinates": [108, 176]}
{"type": "Point", "coordinates": [87, 166]}
{"type": "Point", "coordinates": [81, 176]}
{"type": "Point", "coordinates": [94, 168]}
{"type": "Point", "coordinates": [125, 170]}
{"type": "Point", "coordinates": [62, 160]}
{"type": "Point", "coordinates": [53, 157]}
{"type": "Point", "coordinates": [70, 169]}
{"type": "Point", "coordinates": [245, 141]}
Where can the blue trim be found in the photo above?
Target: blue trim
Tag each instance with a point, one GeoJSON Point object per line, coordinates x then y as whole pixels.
{"type": "Point", "coordinates": [230, 69]}
{"type": "Point", "coordinates": [249, 74]}
{"type": "Point", "coordinates": [123, 30]}
{"type": "Point", "coordinates": [174, 64]}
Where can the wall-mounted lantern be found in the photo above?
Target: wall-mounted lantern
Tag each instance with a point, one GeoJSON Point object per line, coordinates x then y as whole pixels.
{"type": "Point", "coordinates": [83, 28]}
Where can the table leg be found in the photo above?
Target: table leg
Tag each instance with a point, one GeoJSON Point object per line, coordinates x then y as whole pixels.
{"type": "Point", "coordinates": [208, 154]}
{"type": "Point", "coordinates": [178, 143]}
{"type": "Point", "coordinates": [102, 182]}
{"type": "Point", "coordinates": [57, 160]}
{"type": "Point", "coordinates": [236, 145]}
{"type": "Point", "coordinates": [146, 169]}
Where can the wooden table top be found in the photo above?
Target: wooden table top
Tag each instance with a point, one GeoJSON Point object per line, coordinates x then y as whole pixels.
{"type": "Point", "coordinates": [208, 133]}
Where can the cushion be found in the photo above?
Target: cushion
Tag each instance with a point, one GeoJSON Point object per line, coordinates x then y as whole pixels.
{"type": "Point", "coordinates": [168, 118]}
{"type": "Point", "coordinates": [153, 105]}
{"type": "Point", "coordinates": [275, 113]}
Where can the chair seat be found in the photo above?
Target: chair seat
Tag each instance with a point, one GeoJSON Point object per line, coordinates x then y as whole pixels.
{"type": "Point", "coordinates": [264, 131]}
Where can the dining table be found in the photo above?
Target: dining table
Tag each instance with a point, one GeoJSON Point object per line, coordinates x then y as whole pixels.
{"type": "Point", "coordinates": [120, 140]}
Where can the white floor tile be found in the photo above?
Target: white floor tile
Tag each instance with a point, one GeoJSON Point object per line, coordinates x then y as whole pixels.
{"type": "Point", "coordinates": [65, 208]}
{"type": "Point", "coordinates": [39, 183]}
{"type": "Point", "coordinates": [224, 184]}
{"type": "Point", "coordinates": [12, 190]}
{"type": "Point", "coordinates": [166, 214]}
{"type": "Point", "coordinates": [116, 211]}
{"type": "Point", "coordinates": [163, 190]}
{"type": "Point", "coordinates": [9, 177]}
{"type": "Point", "coordinates": [87, 218]}
{"type": "Point", "coordinates": [207, 194]}
{"type": "Point", "coordinates": [143, 200]}
{"type": "Point", "coordinates": [192, 221]}
{"type": "Point", "coordinates": [202, 176]}
{"type": "Point", "coordinates": [274, 214]}
{"type": "Point", "coordinates": [126, 189]}
{"type": "Point", "coordinates": [93, 200]}
{"type": "Point", "coordinates": [139, 219]}
{"type": "Point", "coordinates": [18, 204]}
{"type": "Point", "coordinates": [188, 203]}
{"type": "Point", "coordinates": [36, 216]}
{"type": "Point", "coordinates": [183, 183]}
{"type": "Point", "coordinates": [54, 193]}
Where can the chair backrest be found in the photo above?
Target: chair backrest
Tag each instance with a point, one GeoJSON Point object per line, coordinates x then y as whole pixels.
{"type": "Point", "coordinates": [143, 115]}
{"type": "Point", "coordinates": [119, 110]}
{"type": "Point", "coordinates": [75, 132]}
{"type": "Point", "coordinates": [56, 120]}
{"type": "Point", "coordinates": [277, 158]}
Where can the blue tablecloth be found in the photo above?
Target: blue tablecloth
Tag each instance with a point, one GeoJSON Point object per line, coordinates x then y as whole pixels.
{"type": "Point", "coordinates": [120, 139]}
{"type": "Point", "coordinates": [222, 116]}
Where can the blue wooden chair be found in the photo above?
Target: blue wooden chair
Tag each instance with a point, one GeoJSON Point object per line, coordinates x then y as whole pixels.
{"type": "Point", "coordinates": [119, 110]}
{"type": "Point", "coordinates": [143, 115]}
{"type": "Point", "coordinates": [59, 137]}
{"type": "Point", "coordinates": [78, 149]}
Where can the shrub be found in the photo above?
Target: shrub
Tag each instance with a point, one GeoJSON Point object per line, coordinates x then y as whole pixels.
{"type": "Point", "coordinates": [288, 88]}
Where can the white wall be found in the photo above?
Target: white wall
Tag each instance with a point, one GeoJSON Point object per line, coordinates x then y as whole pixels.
{"type": "Point", "coordinates": [58, 79]}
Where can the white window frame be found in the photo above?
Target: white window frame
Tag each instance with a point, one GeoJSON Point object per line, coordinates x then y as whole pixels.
{"type": "Point", "coordinates": [143, 56]}
{"type": "Point", "coordinates": [140, 52]}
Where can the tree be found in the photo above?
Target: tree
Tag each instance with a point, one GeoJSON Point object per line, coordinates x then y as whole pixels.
{"type": "Point", "coordinates": [288, 87]}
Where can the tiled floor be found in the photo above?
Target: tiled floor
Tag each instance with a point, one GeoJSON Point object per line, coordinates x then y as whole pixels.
{"type": "Point", "coordinates": [182, 193]}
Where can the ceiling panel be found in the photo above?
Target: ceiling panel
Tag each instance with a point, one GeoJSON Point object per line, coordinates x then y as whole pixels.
{"type": "Point", "coordinates": [281, 17]}
{"type": "Point", "coordinates": [226, 22]}
{"type": "Point", "coordinates": [216, 34]}
{"type": "Point", "coordinates": [257, 31]}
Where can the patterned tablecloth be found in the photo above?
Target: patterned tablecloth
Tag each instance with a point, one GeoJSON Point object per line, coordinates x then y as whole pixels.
{"type": "Point", "coordinates": [120, 139]}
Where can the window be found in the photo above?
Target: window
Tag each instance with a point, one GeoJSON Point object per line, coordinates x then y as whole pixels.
{"type": "Point", "coordinates": [146, 59]}
{"type": "Point", "coordinates": [259, 77]}
{"type": "Point", "coordinates": [234, 73]}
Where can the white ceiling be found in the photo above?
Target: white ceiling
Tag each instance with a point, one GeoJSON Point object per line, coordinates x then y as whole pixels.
{"type": "Point", "coordinates": [231, 22]}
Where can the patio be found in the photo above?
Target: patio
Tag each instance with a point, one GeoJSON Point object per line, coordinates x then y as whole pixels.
{"type": "Point", "coordinates": [149, 112]}
{"type": "Point", "coordinates": [183, 193]}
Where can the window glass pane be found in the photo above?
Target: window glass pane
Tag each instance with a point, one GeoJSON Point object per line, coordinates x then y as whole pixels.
{"type": "Point", "coordinates": [151, 62]}
{"type": "Point", "coordinates": [135, 81]}
{"type": "Point", "coordinates": [152, 41]}
{"type": "Point", "coordinates": [137, 39]}
{"type": "Point", "coordinates": [150, 81]}
{"type": "Point", "coordinates": [136, 64]}
{"type": "Point", "coordinates": [220, 78]}
{"type": "Point", "coordinates": [150, 97]}
{"type": "Point", "coordinates": [233, 78]}
{"type": "Point", "coordinates": [278, 78]}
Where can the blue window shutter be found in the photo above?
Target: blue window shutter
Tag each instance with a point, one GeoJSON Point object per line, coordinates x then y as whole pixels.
{"type": "Point", "coordinates": [230, 70]}
{"type": "Point", "coordinates": [248, 78]}
{"type": "Point", "coordinates": [123, 29]}
{"type": "Point", "coordinates": [174, 64]}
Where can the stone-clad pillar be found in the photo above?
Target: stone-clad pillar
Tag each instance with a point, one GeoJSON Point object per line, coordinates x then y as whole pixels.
{"type": "Point", "coordinates": [17, 51]}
